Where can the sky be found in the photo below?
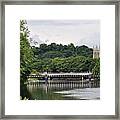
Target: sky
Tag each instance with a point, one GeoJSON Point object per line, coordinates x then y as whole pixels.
{"type": "Point", "coordinates": [78, 32]}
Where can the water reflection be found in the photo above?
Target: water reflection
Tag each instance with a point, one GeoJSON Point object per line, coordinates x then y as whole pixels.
{"type": "Point", "coordinates": [65, 91]}
{"type": "Point", "coordinates": [43, 93]}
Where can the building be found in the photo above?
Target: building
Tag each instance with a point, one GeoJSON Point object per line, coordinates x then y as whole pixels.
{"type": "Point", "coordinates": [96, 52]}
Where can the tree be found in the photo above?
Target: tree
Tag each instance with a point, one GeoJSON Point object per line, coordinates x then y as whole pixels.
{"type": "Point", "coordinates": [84, 51]}
{"type": "Point", "coordinates": [52, 54]}
{"type": "Point", "coordinates": [26, 57]}
{"type": "Point", "coordinates": [54, 50]}
{"type": "Point", "coordinates": [96, 68]}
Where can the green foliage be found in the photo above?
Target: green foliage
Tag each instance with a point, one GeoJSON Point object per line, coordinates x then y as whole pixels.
{"type": "Point", "coordinates": [84, 51]}
{"type": "Point", "coordinates": [58, 50]}
{"type": "Point", "coordinates": [96, 68]}
{"type": "Point", "coordinates": [64, 58]}
{"type": "Point", "coordinates": [70, 64]}
{"type": "Point", "coordinates": [52, 54]}
{"type": "Point", "coordinates": [26, 56]}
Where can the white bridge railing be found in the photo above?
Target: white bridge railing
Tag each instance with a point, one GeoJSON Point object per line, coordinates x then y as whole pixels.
{"type": "Point", "coordinates": [78, 79]}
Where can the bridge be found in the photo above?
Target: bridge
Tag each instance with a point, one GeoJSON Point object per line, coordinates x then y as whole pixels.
{"type": "Point", "coordinates": [79, 80]}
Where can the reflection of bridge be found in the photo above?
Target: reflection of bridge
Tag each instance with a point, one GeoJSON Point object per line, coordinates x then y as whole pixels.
{"type": "Point", "coordinates": [82, 80]}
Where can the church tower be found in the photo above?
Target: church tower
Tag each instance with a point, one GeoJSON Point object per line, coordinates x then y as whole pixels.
{"type": "Point", "coordinates": [96, 52]}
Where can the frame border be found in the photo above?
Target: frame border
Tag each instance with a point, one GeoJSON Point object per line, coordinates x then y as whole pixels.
{"type": "Point", "coordinates": [55, 2]}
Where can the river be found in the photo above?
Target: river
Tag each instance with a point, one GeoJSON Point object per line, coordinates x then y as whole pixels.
{"type": "Point", "coordinates": [63, 93]}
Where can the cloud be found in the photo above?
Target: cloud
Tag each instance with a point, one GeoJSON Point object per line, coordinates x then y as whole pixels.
{"type": "Point", "coordinates": [35, 40]}
{"type": "Point", "coordinates": [78, 32]}
{"type": "Point", "coordinates": [91, 40]}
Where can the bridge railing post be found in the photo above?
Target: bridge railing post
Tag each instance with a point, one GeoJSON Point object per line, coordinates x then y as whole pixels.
{"type": "Point", "coordinates": [90, 81]}
{"type": "Point", "coordinates": [82, 81]}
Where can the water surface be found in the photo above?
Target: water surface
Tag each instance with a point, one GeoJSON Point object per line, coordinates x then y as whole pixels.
{"type": "Point", "coordinates": [63, 93]}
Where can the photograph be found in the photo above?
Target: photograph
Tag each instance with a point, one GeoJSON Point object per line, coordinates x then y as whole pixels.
{"type": "Point", "coordinates": [64, 62]}
{"type": "Point", "coordinates": [60, 59]}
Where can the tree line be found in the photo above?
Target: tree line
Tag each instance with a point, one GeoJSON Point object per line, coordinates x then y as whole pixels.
{"type": "Point", "coordinates": [69, 64]}
{"type": "Point", "coordinates": [64, 58]}
{"type": "Point", "coordinates": [54, 50]}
